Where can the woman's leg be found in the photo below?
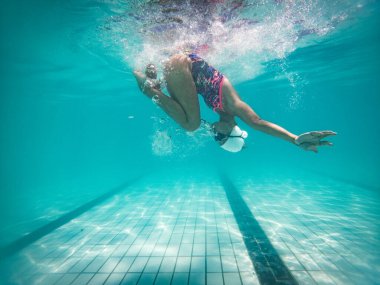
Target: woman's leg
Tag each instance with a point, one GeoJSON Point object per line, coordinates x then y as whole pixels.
{"type": "Point", "coordinates": [183, 104]}
{"type": "Point", "coordinates": [233, 105]}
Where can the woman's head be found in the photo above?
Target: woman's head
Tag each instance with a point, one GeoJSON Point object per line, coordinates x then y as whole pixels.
{"type": "Point", "coordinates": [151, 71]}
{"type": "Point", "coordinates": [233, 140]}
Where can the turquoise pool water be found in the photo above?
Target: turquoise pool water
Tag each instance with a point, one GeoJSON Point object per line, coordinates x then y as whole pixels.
{"type": "Point", "coordinates": [92, 172]}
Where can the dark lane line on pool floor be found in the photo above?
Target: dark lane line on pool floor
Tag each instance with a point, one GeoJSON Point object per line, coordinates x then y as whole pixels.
{"type": "Point", "coordinates": [35, 235]}
{"type": "Point", "coordinates": [269, 267]}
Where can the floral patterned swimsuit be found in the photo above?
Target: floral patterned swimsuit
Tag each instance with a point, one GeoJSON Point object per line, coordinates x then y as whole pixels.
{"type": "Point", "coordinates": [208, 81]}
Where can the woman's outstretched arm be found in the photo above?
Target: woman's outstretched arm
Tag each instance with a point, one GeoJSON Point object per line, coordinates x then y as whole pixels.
{"type": "Point", "coordinates": [236, 107]}
{"type": "Point", "coordinates": [307, 141]}
{"type": "Point", "coordinates": [245, 112]}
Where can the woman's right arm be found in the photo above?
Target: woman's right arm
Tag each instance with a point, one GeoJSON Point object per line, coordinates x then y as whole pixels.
{"type": "Point", "coordinates": [147, 89]}
{"type": "Point", "coordinates": [140, 78]}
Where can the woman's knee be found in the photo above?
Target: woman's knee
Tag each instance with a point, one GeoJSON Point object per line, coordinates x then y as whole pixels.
{"type": "Point", "coordinates": [192, 125]}
{"type": "Point", "coordinates": [178, 62]}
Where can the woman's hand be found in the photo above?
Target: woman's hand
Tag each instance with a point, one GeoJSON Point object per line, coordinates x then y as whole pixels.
{"type": "Point", "coordinates": [311, 140]}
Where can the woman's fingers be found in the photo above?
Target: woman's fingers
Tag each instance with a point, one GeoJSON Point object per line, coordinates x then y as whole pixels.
{"type": "Point", "coordinates": [326, 143]}
{"type": "Point", "coordinates": [312, 140]}
{"type": "Point", "coordinates": [313, 137]}
{"type": "Point", "coordinates": [324, 134]}
{"type": "Point", "coordinates": [314, 146]}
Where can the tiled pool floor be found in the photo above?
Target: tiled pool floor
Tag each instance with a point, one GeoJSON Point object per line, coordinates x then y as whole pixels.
{"type": "Point", "coordinates": [327, 232]}
{"type": "Point", "coordinates": [164, 234]}
{"type": "Point", "coordinates": [185, 232]}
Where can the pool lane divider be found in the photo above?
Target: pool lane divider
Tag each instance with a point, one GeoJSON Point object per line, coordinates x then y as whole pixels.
{"type": "Point", "coordinates": [35, 235]}
{"type": "Point", "coordinates": [269, 267]}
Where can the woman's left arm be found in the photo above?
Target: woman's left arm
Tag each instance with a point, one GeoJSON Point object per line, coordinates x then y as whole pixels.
{"type": "Point", "coordinates": [245, 112]}
{"type": "Point", "coordinates": [307, 141]}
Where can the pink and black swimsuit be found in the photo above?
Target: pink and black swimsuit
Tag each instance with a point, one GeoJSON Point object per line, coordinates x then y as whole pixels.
{"type": "Point", "coordinates": [208, 81]}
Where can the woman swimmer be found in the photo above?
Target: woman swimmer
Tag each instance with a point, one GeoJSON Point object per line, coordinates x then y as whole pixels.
{"type": "Point", "coordinates": [187, 75]}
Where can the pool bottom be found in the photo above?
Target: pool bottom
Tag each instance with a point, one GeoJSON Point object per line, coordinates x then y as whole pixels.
{"type": "Point", "coordinates": [182, 231]}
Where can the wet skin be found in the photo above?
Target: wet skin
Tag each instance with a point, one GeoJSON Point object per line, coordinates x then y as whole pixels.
{"type": "Point", "coordinates": [183, 106]}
